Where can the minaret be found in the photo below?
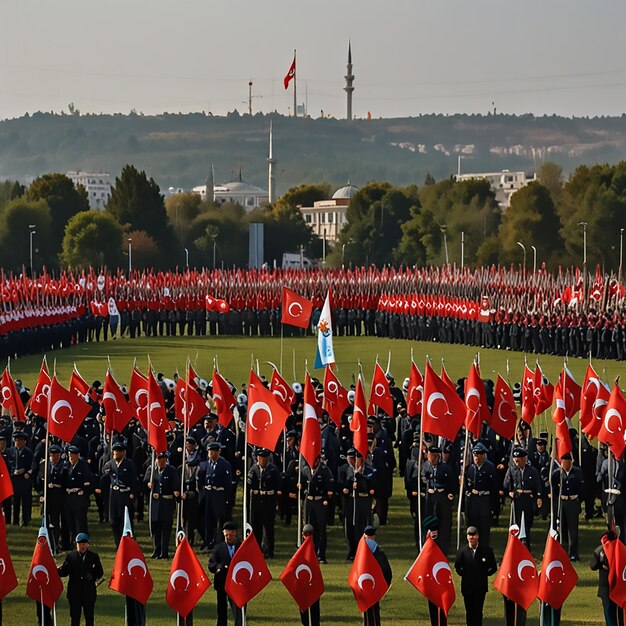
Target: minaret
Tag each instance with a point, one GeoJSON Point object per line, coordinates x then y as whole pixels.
{"type": "Point", "coordinates": [209, 194]}
{"type": "Point", "coordinates": [349, 88]}
{"type": "Point", "coordinates": [271, 161]}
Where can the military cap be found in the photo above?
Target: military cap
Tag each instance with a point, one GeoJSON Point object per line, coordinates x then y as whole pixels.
{"type": "Point", "coordinates": [542, 442]}
{"type": "Point", "coordinates": [54, 449]}
{"type": "Point", "coordinates": [369, 531]}
{"type": "Point", "coordinates": [73, 449]}
{"type": "Point", "coordinates": [229, 526]}
{"type": "Point", "coordinates": [351, 452]}
{"type": "Point", "coordinates": [82, 538]}
{"type": "Point", "coordinates": [119, 445]}
{"type": "Point", "coordinates": [519, 452]}
{"type": "Point", "coordinates": [262, 452]}
{"type": "Point", "coordinates": [214, 445]}
{"type": "Point", "coordinates": [162, 455]}
{"type": "Point", "coordinates": [566, 457]}
{"type": "Point", "coordinates": [430, 523]}
{"type": "Point", "coordinates": [434, 449]}
{"type": "Point", "coordinates": [479, 448]}
{"type": "Point", "coordinates": [191, 439]}
{"type": "Point", "coordinates": [307, 529]}
{"type": "Point", "coordinates": [20, 435]}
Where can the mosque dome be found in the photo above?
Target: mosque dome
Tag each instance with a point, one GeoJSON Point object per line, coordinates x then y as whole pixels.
{"type": "Point", "coordinates": [346, 193]}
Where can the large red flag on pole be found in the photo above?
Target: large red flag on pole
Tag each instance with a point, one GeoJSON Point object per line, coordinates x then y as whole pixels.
{"type": "Point", "coordinates": [415, 392]}
{"type": "Point", "coordinates": [117, 409]}
{"type": "Point", "coordinates": [380, 395]}
{"type": "Point", "coordinates": [311, 443]}
{"type": "Point", "coordinates": [612, 430]}
{"type": "Point", "coordinates": [366, 578]}
{"type": "Point", "coordinates": [504, 415]}
{"type": "Point", "coordinates": [44, 583]}
{"type": "Point", "coordinates": [282, 390]}
{"type": "Point", "coordinates": [39, 400]}
{"type": "Point", "coordinates": [291, 74]}
{"type": "Point", "coordinates": [358, 423]}
{"type": "Point", "coordinates": [335, 396]}
{"type": "Point", "coordinates": [296, 310]}
{"type": "Point", "coordinates": [303, 577]}
{"type": "Point", "coordinates": [475, 402]}
{"type": "Point", "coordinates": [11, 400]}
{"type": "Point", "coordinates": [558, 577]}
{"type": "Point", "coordinates": [444, 412]}
{"type": "Point", "coordinates": [223, 398]}
{"type": "Point", "coordinates": [66, 411]}
{"type": "Point", "coordinates": [8, 579]}
{"type": "Point", "coordinates": [138, 394]}
{"type": "Point", "coordinates": [157, 417]}
{"type": "Point", "coordinates": [266, 415]}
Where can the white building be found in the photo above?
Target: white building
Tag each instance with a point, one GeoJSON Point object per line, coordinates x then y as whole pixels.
{"type": "Point", "coordinates": [504, 183]}
{"type": "Point", "coordinates": [98, 186]}
{"type": "Point", "coordinates": [327, 217]}
{"type": "Point", "coordinates": [246, 194]}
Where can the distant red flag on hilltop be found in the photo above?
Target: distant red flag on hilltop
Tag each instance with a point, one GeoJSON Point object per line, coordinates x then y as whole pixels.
{"type": "Point", "coordinates": [290, 74]}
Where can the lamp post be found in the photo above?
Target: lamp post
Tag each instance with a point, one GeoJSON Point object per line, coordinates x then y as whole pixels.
{"type": "Point", "coordinates": [444, 229]}
{"type": "Point", "coordinates": [621, 255]}
{"type": "Point", "coordinates": [343, 252]}
{"type": "Point", "coordinates": [31, 232]}
{"type": "Point", "coordinates": [186, 258]}
{"type": "Point", "coordinates": [130, 255]}
{"type": "Point", "coordinates": [523, 247]}
{"type": "Point", "coordinates": [584, 225]}
{"type": "Point", "coordinates": [534, 259]}
{"type": "Point", "coordinates": [462, 249]}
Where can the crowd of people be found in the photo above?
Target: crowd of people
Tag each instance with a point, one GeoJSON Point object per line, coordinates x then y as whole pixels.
{"type": "Point", "coordinates": [195, 482]}
{"type": "Point", "coordinates": [540, 312]}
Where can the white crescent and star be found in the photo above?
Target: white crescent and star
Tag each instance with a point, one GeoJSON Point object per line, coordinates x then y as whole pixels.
{"type": "Point", "coordinates": [291, 307]}
{"type": "Point", "coordinates": [607, 420]}
{"type": "Point", "coordinates": [551, 566]}
{"type": "Point", "coordinates": [180, 573]}
{"type": "Point", "coordinates": [357, 410]}
{"type": "Point", "coordinates": [4, 567]}
{"type": "Point", "coordinates": [41, 568]}
{"type": "Point", "coordinates": [154, 406]}
{"type": "Point", "coordinates": [522, 565]}
{"type": "Point", "coordinates": [58, 405]}
{"type": "Point", "coordinates": [280, 391]}
{"type": "Point", "coordinates": [598, 403]}
{"type": "Point", "coordinates": [136, 563]}
{"type": "Point", "coordinates": [364, 577]}
{"type": "Point", "coordinates": [303, 568]}
{"type": "Point", "coordinates": [332, 387]}
{"type": "Point", "coordinates": [242, 565]}
{"type": "Point", "coordinates": [259, 406]}
{"type": "Point", "coordinates": [437, 567]}
{"type": "Point", "coordinates": [110, 396]}
{"type": "Point", "coordinates": [473, 393]}
{"type": "Point", "coordinates": [7, 395]}
{"type": "Point", "coordinates": [379, 390]}
{"type": "Point", "coordinates": [436, 396]}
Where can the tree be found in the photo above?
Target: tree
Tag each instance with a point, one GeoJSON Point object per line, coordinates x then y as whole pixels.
{"type": "Point", "coordinates": [9, 190]}
{"type": "Point", "coordinates": [304, 195]}
{"type": "Point", "coordinates": [92, 238]}
{"type": "Point", "coordinates": [145, 250]}
{"type": "Point", "coordinates": [182, 209]}
{"type": "Point", "coordinates": [137, 204]}
{"type": "Point", "coordinates": [64, 200]}
{"type": "Point", "coordinates": [550, 175]}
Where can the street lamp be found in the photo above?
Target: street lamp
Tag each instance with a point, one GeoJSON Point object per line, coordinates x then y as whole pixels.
{"type": "Point", "coordinates": [523, 247]}
{"type": "Point", "coordinates": [343, 251]}
{"type": "Point", "coordinates": [462, 249]}
{"type": "Point", "coordinates": [443, 229]}
{"type": "Point", "coordinates": [31, 231]}
{"type": "Point", "coordinates": [130, 255]}
{"type": "Point", "coordinates": [186, 258]}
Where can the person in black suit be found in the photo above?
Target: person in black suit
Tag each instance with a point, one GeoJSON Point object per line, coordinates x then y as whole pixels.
{"type": "Point", "coordinates": [371, 617]}
{"type": "Point", "coordinates": [474, 564]}
{"type": "Point", "coordinates": [83, 568]}
{"type": "Point", "coordinates": [218, 564]}
{"type": "Point", "coordinates": [22, 462]}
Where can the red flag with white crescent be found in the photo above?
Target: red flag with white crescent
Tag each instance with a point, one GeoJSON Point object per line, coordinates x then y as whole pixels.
{"type": "Point", "coordinates": [302, 576]}
{"type": "Point", "coordinates": [335, 396]}
{"type": "Point", "coordinates": [366, 578]}
{"type": "Point", "coordinates": [358, 423]}
{"type": "Point", "coordinates": [282, 390]}
{"type": "Point", "coordinates": [8, 579]}
{"type": "Point", "coordinates": [223, 398]}
{"type": "Point", "coordinates": [475, 402]}
{"type": "Point", "coordinates": [10, 397]}
{"type": "Point", "coordinates": [504, 415]}
{"type": "Point", "coordinates": [266, 416]}
{"type": "Point", "coordinates": [44, 583]}
{"type": "Point", "coordinates": [66, 411]}
{"type": "Point", "coordinates": [557, 577]}
{"type": "Point", "coordinates": [39, 399]}
{"type": "Point", "coordinates": [157, 416]}
{"type": "Point", "coordinates": [138, 394]}
{"type": "Point", "coordinates": [296, 310]}
{"type": "Point", "coordinates": [130, 575]}
{"type": "Point", "coordinates": [117, 409]}
{"type": "Point", "coordinates": [311, 443]}
{"type": "Point", "coordinates": [444, 412]}
{"type": "Point", "coordinates": [380, 395]}
{"type": "Point", "coordinates": [248, 573]}
{"type": "Point", "coordinates": [415, 392]}
{"type": "Point", "coordinates": [612, 429]}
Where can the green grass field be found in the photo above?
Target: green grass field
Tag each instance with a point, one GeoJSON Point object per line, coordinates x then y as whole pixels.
{"type": "Point", "coordinates": [402, 605]}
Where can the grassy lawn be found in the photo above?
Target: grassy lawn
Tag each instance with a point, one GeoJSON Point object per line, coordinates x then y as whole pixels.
{"type": "Point", "coordinates": [403, 605]}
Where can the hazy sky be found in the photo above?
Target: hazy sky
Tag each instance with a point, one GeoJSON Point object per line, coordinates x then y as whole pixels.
{"type": "Point", "coordinates": [410, 57]}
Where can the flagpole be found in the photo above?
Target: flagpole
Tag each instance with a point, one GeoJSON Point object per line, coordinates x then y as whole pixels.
{"type": "Point", "coordinates": [45, 481]}
{"type": "Point", "coordinates": [245, 481]}
{"type": "Point", "coordinates": [299, 539]}
{"type": "Point", "coordinates": [419, 484]}
{"type": "Point", "coordinates": [282, 332]}
{"type": "Point", "coordinates": [295, 109]}
{"type": "Point", "coordinates": [153, 461]}
{"type": "Point", "coordinates": [461, 487]}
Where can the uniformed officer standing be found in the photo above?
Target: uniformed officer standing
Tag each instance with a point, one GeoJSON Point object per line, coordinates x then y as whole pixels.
{"type": "Point", "coordinates": [78, 486]}
{"type": "Point", "coordinates": [263, 484]}
{"type": "Point", "coordinates": [164, 488]}
{"type": "Point", "coordinates": [523, 485]}
{"type": "Point", "coordinates": [540, 460]}
{"type": "Point", "coordinates": [438, 490]}
{"type": "Point", "coordinates": [121, 474]}
{"type": "Point", "coordinates": [22, 461]}
{"type": "Point", "coordinates": [189, 496]}
{"type": "Point", "coordinates": [57, 473]}
{"type": "Point", "coordinates": [481, 486]}
{"type": "Point", "coordinates": [568, 489]}
{"type": "Point", "coordinates": [215, 491]}
{"type": "Point", "coordinates": [320, 487]}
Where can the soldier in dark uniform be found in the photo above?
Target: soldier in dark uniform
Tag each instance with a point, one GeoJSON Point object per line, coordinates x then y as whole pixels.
{"type": "Point", "coordinates": [289, 478]}
{"type": "Point", "coordinates": [355, 482]}
{"type": "Point", "coordinates": [57, 474]}
{"type": "Point", "coordinates": [568, 490]}
{"type": "Point", "coordinates": [413, 486]}
{"type": "Point", "coordinates": [121, 475]}
{"type": "Point", "coordinates": [83, 568]}
{"type": "Point", "coordinates": [523, 485]}
{"type": "Point", "coordinates": [78, 486]}
{"type": "Point", "coordinates": [215, 492]}
{"type": "Point", "coordinates": [319, 486]}
{"type": "Point", "coordinates": [480, 487]}
{"type": "Point", "coordinates": [263, 484]}
{"type": "Point", "coordinates": [540, 460]}
{"type": "Point", "coordinates": [218, 565]}
{"type": "Point", "coordinates": [7, 455]}
{"type": "Point", "coordinates": [164, 489]}
{"type": "Point", "coordinates": [438, 490]}
{"type": "Point", "coordinates": [22, 461]}
{"type": "Point", "coordinates": [189, 496]}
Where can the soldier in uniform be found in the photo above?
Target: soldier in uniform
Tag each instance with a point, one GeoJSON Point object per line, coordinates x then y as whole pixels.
{"type": "Point", "coordinates": [215, 489]}
{"type": "Point", "coordinates": [189, 496]}
{"type": "Point", "coordinates": [523, 485]}
{"type": "Point", "coordinates": [121, 475]}
{"type": "Point", "coordinates": [218, 565]}
{"type": "Point", "coordinates": [22, 461]}
{"type": "Point", "coordinates": [78, 486]}
{"type": "Point", "coordinates": [263, 484]}
{"type": "Point", "coordinates": [568, 490]}
{"type": "Point", "coordinates": [540, 460]}
{"type": "Point", "coordinates": [319, 487]}
{"type": "Point", "coordinates": [57, 473]}
{"type": "Point", "coordinates": [438, 490]}
{"type": "Point", "coordinates": [481, 487]}
{"type": "Point", "coordinates": [355, 481]}
{"type": "Point", "coordinates": [164, 489]}
{"type": "Point", "coordinates": [7, 455]}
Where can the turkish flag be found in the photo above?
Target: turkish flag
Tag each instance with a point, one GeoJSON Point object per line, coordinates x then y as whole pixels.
{"type": "Point", "coordinates": [475, 402]}
{"type": "Point", "coordinates": [504, 415]}
{"type": "Point", "coordinates": [248, 573]}
{"type": "Point", "coordinates": [558, 576]}
{"type": "Point", "coordinates": [302, 576]}
{"type": "Point", "coordinates": [6, 485]}
{"type": "Point", "coordinates": [189, 405]}
{"type": "Point", "coordinates": [571, 393]}
{"type": "Point", "coordinates": [266, 416]}
{"type": "Point", "coordinates": [358, 423]}
{"type": "Point", "coordinates": [39, 400]}
{"type": "Point", "coordinates": [8, 579]}
{"type": "Point", "coordinates": [615, 552]}
{"type": "Point", "coordinates": [528, 398]}
{"type": "Point", "coordinates": [188, 581]}
{"type": "Point", "coordinates": [594, 397]}
{"type": "Point", "coordinates": [612, 430]}
{"type": "Point", "coordinates": [290, 74]}
{"type": "Point", "coordinates": [311, 443]}
{"type": "Point", "coordinates": [563, 440]}
{"type": "Point", "coordinates": [138, 394]}
{"type": "Point", "coordinates": [444, 411]}
{"type": "Point", "coordinates": [431, 575]}
{"type": "Point", "coordinates": [66, 411]}
{"type": "Point", "coordinates": [157, 417]}
{"type": "Point", "coordinates": [366, 578]}
{"type": "Point", "coordinates": [296, 310]}
{"type": "Point", "coordinates": [117, 409]}
{"type": "Point", "coordinates": [335, 396]}
{"type": "Point", "coordinates": [282, 390]}
{"type": "Point", "coordinates": [223, 398]}
{"type": "Point", "coordinates": [379, 393]}
{"type": "Point", "coordinates": [517, 577]}
{"type": "Point", "coordinates": [44, 583]}
{"type": "Point", "coordinates": [78, 384]}
{"type": "Point", "coordinates": [543, 391]}
{"type": "Point", "coordinates": [130, 575]}
{"type": "Point", "coordinates": [210, 303]}
{"type": "Point", "coordinates": [10, 397]}
{"type": "Point", "coordinates": [415, 392]}
{"type": "Point", "coordinates": [222, 306]}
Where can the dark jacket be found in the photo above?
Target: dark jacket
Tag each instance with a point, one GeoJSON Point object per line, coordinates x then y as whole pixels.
{"type": "Point", "coordinates": [219, 562]}
{"type": "Point", "coordinates": [475, 569]}
{"type": "Point", "coordinates": [83, 573]}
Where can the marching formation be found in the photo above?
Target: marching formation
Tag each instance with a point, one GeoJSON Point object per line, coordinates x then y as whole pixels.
{"type": "Point", "coordinates": [180, 452]}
